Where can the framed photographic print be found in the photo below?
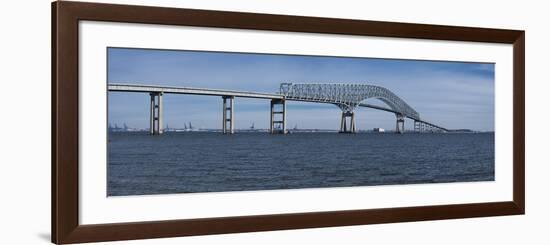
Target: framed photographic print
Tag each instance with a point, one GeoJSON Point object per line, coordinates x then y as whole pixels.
{"type": "Point", "coordinates": [175, 122]}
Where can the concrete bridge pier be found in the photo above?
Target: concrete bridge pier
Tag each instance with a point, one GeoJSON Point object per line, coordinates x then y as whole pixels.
{"type": "Point", "coordinates": [155, 114]}
{"type": "Point", "coordinates": [420, 127]}
{"type": "Point", "coordinates": [400, 124]}
{"type": "Point", "coordinates": [277, 120]}
{"type": "Point", "coordinates": [228, 126]}
{"type": "Point", "coordinates": [344, 124]}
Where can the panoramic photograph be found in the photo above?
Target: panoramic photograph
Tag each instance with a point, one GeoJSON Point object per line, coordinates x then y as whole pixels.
{"type": "Point", "coordinates": [183, 121]}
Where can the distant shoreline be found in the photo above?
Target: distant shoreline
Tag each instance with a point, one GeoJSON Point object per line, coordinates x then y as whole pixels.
{"type": "Point", "coordinates": [296, 131]}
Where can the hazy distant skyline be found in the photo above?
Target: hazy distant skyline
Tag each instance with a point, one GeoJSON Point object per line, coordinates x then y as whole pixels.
{"type": "Point", "coordinates": [451, 94]}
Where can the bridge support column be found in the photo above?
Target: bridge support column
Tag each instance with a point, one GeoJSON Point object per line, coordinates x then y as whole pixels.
{"type": "Point", "coordinates": [344, 122]}
{"type": "Point", "coordinates": [228, 126]}
{"type": "Point", "coordinates": [155, 114]}
{"type": "Point", "coordinates": [277, 120]}
{"type": "Point", "coordinates": [416, 126]}
{"type": "Point", "coordinates": [400, 124]}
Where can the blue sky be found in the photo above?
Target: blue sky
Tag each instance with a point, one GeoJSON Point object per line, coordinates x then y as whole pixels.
{"type": "Point", "coordinates": [450, 94]}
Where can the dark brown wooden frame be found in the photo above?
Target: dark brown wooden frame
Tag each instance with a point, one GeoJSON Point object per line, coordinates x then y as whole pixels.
{"type": "Point", "coordinates": [65, 223]}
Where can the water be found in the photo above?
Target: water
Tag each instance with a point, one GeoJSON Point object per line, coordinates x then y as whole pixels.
{"type": "Point", "coordinates": [211, 162]}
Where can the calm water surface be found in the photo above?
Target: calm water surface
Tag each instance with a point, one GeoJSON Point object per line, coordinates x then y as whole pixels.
{"type": "Point", "coordinates": [211, 162]}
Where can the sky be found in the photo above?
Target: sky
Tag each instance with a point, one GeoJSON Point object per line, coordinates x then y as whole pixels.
{"type": "Point", "coordinates": [455, 95]}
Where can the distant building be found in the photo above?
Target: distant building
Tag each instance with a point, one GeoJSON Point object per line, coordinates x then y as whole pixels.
{"type": "Point", "coordinates": [378, 130]}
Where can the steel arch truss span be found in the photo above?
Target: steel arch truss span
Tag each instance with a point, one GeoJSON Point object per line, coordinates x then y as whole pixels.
{"type": "Point", "coordinates": [346, 96]}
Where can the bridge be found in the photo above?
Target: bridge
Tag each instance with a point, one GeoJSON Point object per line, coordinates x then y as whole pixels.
{"type": "Point", "coordinates": [348, 97]}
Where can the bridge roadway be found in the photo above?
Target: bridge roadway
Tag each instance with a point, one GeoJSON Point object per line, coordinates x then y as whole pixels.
{"type": "Point", "coordinates": [141, 88]}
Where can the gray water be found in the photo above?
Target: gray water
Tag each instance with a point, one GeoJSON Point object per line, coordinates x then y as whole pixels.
{"type": "Point", "coordinates": [211, 162]}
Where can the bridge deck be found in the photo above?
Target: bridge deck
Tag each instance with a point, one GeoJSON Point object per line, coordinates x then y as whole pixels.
{"type": "Point", "coordinates": [190, 90]}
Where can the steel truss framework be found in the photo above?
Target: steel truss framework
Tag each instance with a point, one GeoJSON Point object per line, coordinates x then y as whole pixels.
{"type": "Point", "coordinates": [346, 96]}
{"type": "Point", "coordinates": [422, 127]}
